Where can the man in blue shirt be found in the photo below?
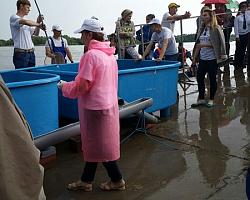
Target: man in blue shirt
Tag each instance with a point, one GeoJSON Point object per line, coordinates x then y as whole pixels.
{"type": "Point", "coordinates": [147, 34]}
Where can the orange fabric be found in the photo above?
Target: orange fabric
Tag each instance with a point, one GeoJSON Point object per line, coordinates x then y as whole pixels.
{"type": "Point", "coordinates": [159, 50]}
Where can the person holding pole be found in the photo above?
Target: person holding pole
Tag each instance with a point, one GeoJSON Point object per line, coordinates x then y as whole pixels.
{"type": "Point", "coordinates": [22, 30]}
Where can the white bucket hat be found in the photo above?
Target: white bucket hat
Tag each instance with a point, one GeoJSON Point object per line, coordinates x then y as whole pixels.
{"type": "Point", "coordinates": [90, 25]}
{"type": "Point", "coordinates": [56, 27]}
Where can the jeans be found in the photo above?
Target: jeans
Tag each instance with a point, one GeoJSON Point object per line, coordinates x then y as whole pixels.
{"type": "Point", "coordinates": [132, 53]}
{"type": "Point", "coordinates": [111, 167]}
{"type": "Point", "coordinates": [24, 59]}
{"type": "Point", "coordinates": [173, 57]}
{"type": "Point", "coordinates": [210, 67]}
{"type": "Point", "coordinates": [150, 53]}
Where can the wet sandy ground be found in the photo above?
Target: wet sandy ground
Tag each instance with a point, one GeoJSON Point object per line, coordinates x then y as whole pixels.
{"type": "Point", "coordinates": [210, 163]}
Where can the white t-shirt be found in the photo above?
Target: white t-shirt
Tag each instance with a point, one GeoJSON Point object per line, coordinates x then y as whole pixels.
{"type": "Point", "coordinates": [21, 34]}
{"type": "Point", "coordinates": [206, 53]}
{"type": "Point", "coordinates": [168, 23]}
{"type": "Point", "coordinates": [58, 43]}
{"type": "Point", "coordinates": [159, 38]}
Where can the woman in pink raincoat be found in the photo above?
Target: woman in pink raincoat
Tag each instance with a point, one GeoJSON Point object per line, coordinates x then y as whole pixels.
{"type": "Point", "coordinates": [96, 86]}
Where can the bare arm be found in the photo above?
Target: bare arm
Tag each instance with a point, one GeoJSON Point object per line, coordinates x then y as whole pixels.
{"type": "Point", "coordinates": [37, 24]}
{"type": "Point", "coordinates": [69, 54]}
{"type": "Point", "coordinates": [146, 51]}
{"type": "Point", "coordinates": [178, 17]}
{"type": "Point", "coordinates": [163, 50]}
{"type": "Point", "coordinates": [29, 23]}
{"type": "Point", "coordinates": [48, 52]}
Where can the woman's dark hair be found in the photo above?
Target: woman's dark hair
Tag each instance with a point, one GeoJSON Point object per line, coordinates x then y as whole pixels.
{"type": "Point", "coordinates": [96, 36]}
{"type": "Point", "coordinates": [151, 16]}
{"type": "Point", "coordinates": [22, 2]}
{"type": "Point", "coordinates": [208, 5]}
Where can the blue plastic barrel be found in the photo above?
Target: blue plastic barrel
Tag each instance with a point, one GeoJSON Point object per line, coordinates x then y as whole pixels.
{"type": "Point", "coordinates": [68, 108]}
{"type": "Point", "coordinates": [157, 80]}
{"type": "Point", "coordinates": [147, 78]}
{"type": "Point", "coordinates": [36, 95]}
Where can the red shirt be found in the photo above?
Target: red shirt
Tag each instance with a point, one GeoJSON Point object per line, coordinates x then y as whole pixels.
{"type": "Point", "coordinates": [220, 16]}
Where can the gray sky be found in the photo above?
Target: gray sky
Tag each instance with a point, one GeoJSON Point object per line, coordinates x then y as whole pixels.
{"type": "Point", "coordinates": [70, 14]}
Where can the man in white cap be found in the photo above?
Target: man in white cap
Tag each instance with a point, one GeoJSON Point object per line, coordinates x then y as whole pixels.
{"type": "Point", "coordinates": [170, 17]}
{"type": "Point", "coordinates": [166, 40]}
{"type": "Point", "coordinates": [57, 44]}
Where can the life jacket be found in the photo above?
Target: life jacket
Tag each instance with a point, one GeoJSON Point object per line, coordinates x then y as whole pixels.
{"type": "Point", "coordinates": [59, 49]}
{"type": "Point", "coordinates": [184, 53]}
{"type": "Point", "coordinates": [157, 52]}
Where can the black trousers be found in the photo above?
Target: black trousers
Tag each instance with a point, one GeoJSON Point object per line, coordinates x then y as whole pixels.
{"type": "Point", "coordinates": [240, 50]}
{"type": "Point", "coordinates": [227, 33]}
{"type": "Point", "coordinates": [90, 170]}
{"type": "Point", "coordinates": [210, 67]}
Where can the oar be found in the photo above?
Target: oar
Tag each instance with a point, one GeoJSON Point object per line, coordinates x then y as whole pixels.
{"type": "Point", "coordinates": [43, 25]}
{"type": "Point", "coordinates": [59, 56]}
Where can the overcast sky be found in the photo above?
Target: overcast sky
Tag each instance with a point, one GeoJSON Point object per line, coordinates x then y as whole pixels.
{"type": "Point", "coordinates": [70, 14]}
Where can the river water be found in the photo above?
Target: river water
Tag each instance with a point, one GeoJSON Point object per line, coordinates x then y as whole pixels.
{"type": "Point", "coordinates": [6, 54]}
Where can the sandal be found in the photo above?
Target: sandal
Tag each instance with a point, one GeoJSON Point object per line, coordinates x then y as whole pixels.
{"type": "Point", "coordinates": [79, 185]}
{"type": "Point", "coordinates": [108, 186]}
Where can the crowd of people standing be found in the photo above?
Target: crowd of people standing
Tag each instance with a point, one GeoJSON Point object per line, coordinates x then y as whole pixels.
{"type": "Point", "coordinates": [96, 84]}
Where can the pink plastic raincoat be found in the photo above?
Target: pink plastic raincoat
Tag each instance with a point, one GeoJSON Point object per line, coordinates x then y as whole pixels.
{"type": "Point", "coordinates": [96, 86]}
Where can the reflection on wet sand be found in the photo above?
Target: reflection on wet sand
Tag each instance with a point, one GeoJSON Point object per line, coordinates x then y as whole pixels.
{"type": "Point", "coordinates": [212, 166]}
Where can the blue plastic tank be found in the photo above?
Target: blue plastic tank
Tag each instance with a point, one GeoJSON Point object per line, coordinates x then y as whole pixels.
{"type": "Point", "coordinates": [36, 95]}
{"type": "Point", "coordinates": [147, 78]}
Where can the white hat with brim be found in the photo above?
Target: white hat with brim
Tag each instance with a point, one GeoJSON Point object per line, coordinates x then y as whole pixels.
{"type": "Point", "coordinates": [154, 21]}
{"type": "Point", "coordinates": [91, 25]}
{"type": "Point", "coordinates": [56, 27]}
